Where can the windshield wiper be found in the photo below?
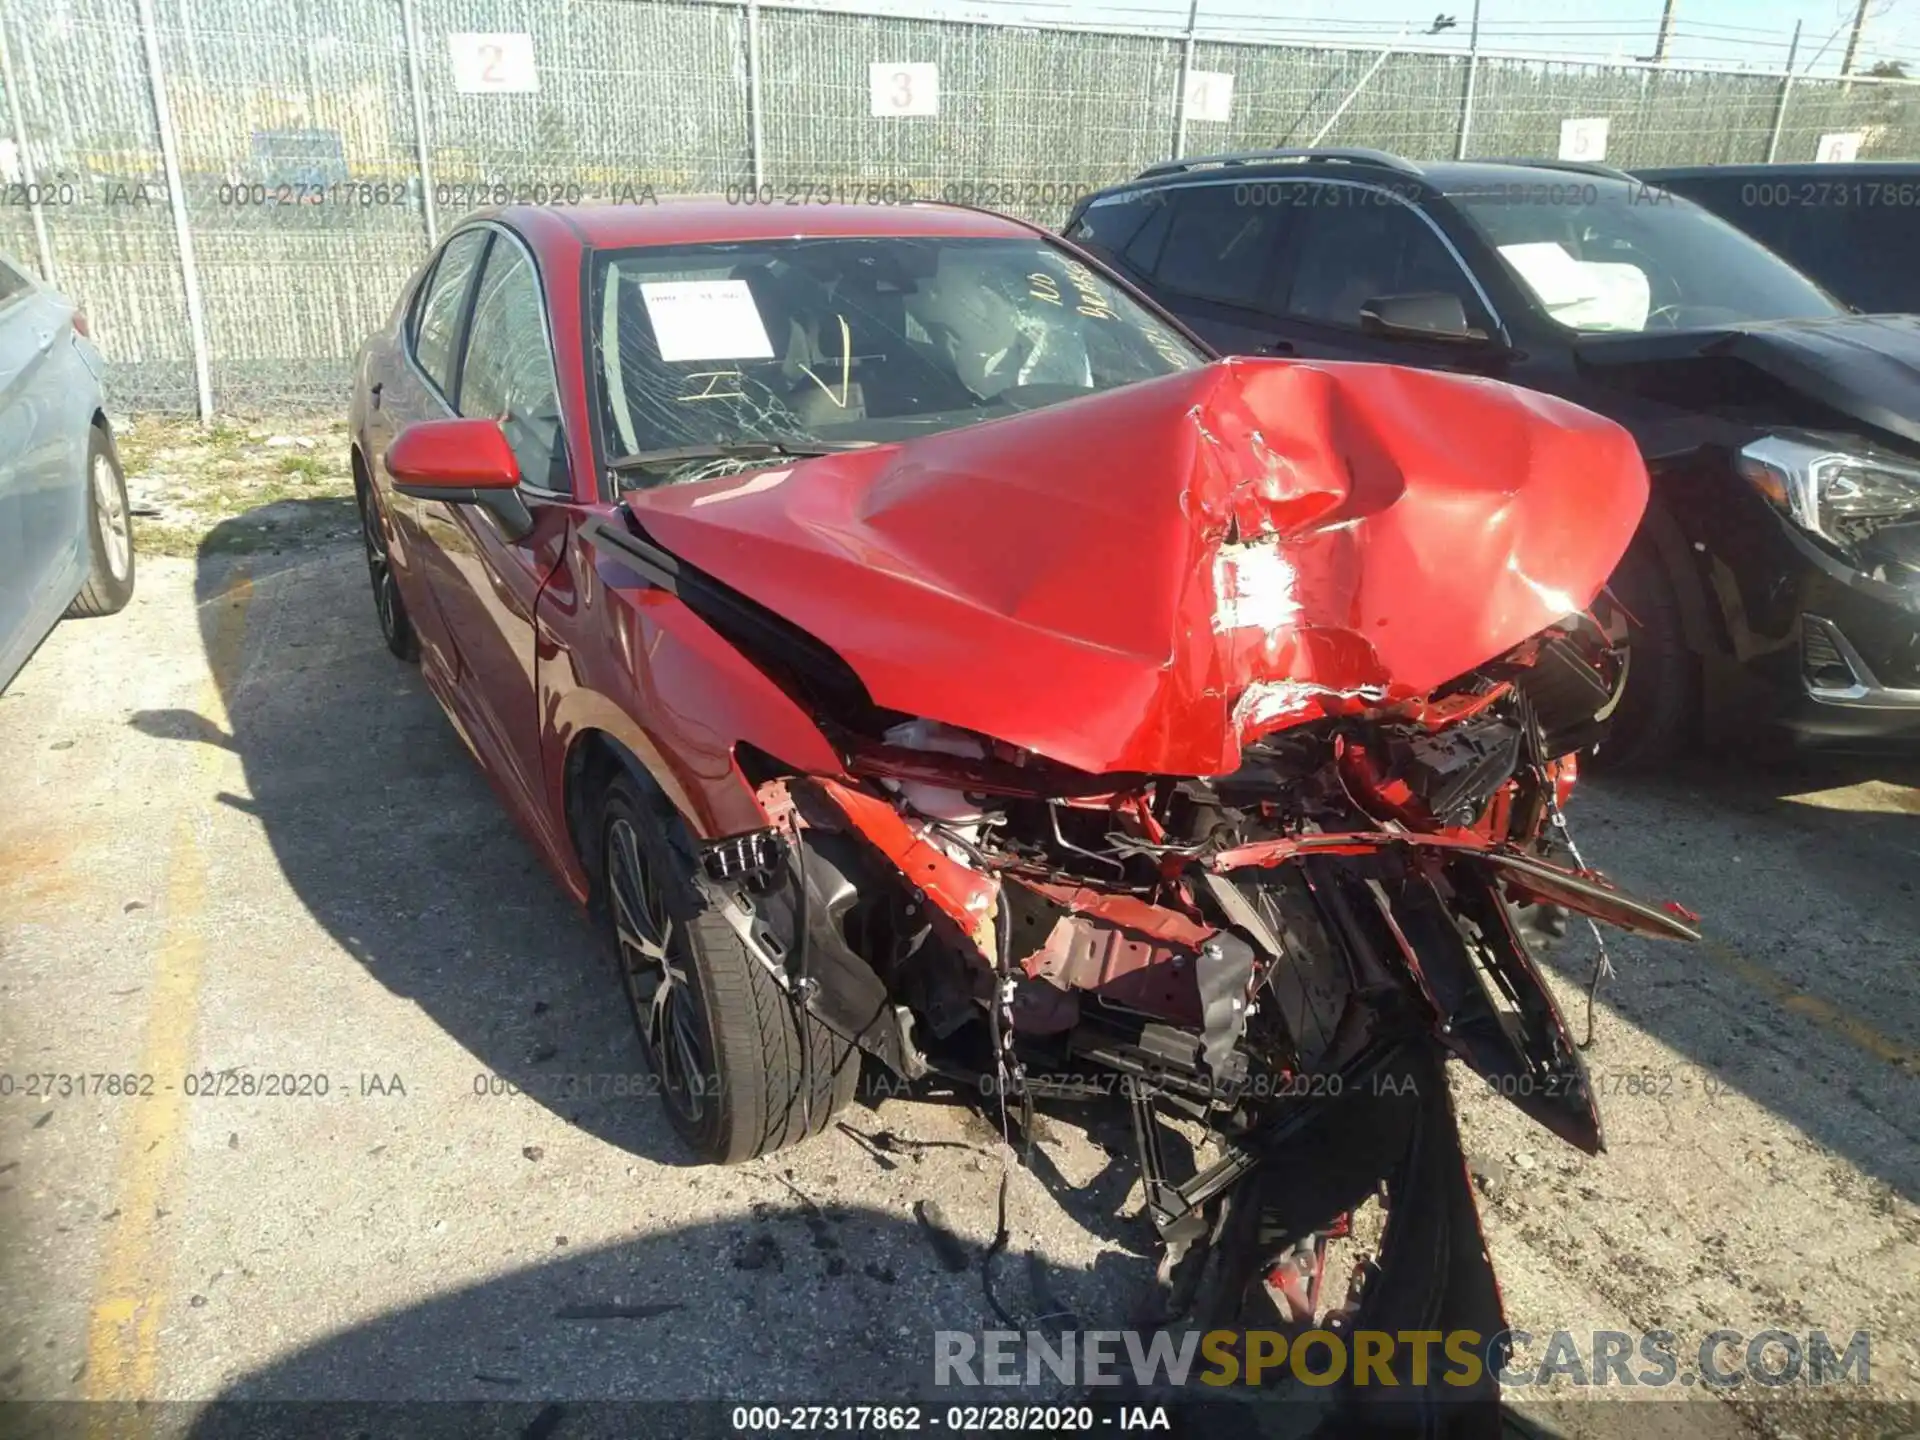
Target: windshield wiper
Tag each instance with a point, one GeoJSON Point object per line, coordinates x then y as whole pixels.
{"type": "Point", "coordinates": [738, 450]}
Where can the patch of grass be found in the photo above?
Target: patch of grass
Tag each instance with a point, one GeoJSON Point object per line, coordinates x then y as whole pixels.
{"type": "Point", "coordinates": [311, 468]}
{"type": "Point", "coordinates": [201, 483]}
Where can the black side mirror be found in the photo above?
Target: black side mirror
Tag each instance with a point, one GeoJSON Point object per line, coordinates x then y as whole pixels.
{"type": "Point", "coordinates": [1426, 316]}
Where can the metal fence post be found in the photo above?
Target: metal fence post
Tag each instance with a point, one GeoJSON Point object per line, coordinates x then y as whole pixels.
{"type": "Point", "coordinates": [12, 82]}
{"type": "Point", "coordinates": [421, 145]}
{"type": "Point", "coordinates": [177, 197]}
{"type": "Point", "coordinates": [1186, 73]}
{"type": "Point", "coordinates": [753, 95]}
{"type": "Point", "coordinates": [1466, 95]}
{"type": "Point", "coordinates": [1786, 91]}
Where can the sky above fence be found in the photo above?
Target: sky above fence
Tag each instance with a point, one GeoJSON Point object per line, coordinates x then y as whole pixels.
{"type": "Point", "coordinates": [316, 148]}
{"type": "Point", "coordinates": [1751, 33]}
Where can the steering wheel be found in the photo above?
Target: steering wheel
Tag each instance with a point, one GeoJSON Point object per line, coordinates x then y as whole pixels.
{"type": "Point", "coordinates": [1697, 315]}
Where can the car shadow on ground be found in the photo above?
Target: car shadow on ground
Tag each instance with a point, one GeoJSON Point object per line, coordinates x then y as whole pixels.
{"type": "Point", "coordinates": [389, 836]}
{"type": "Point", "coordinates": [793, 1301]}
{"type": "Point", "coordinates": [836, 1305]}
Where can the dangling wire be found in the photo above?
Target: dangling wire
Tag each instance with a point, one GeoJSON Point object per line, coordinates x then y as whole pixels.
{"type": "Point", "coordinates": [797, 973]}
{"type": "Point", "coordinates": [1000, 1021]}
{"type": "Point", "coordinates": [1536, 746]}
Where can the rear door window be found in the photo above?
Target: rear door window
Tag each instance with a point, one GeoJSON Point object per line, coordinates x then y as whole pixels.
{"type": "Point", "coordinates": [437, 327]}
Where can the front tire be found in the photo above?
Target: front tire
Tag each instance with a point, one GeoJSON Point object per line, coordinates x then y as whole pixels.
{"type": "Point", "coordinates": [109, 583]}
{"type": "Point", "coordinates": [1660, 706]}
{"type": "Point", "coordinates": [741, 1070]}
{"type": "Point", "coordinates": [395, 627]}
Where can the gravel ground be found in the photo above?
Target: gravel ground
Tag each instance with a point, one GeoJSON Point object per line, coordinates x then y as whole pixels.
{"type": "Point", "coordinates": [237, 835]}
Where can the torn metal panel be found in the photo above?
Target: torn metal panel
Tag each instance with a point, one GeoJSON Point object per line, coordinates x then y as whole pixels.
{"type": "Point", "coordinates": [963, 894]}
{"type": "Point", "coordinates": [1126, 912]}
{"type": "Point", "coordinates": [1152, 977]}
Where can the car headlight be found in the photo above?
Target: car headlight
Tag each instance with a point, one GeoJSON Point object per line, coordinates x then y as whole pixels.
{"type": "Point", "coordinates": [1863, 501]}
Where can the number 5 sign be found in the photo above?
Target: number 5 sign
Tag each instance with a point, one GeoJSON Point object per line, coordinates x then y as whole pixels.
{"type": "Point", "coordinates": [492, 62]}
{"type": "Point", "coordinates": [1584, 139]}
{"type": "Point", "coordinates": [904, 89]}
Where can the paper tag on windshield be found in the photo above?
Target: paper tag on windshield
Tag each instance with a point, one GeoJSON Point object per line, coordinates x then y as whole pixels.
{"type": "Point", "coordinates": [1586, 294]}
{"type": "Point", "coordinates": [1554, 275]}
{"type": "Point", "coordinates": [705, 320]}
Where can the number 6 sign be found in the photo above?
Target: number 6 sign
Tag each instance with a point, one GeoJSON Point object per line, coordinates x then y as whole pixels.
{"type": "Point", "coordinates": [488, 63]}
{"type": "Point", "coordinates": [904, 89]}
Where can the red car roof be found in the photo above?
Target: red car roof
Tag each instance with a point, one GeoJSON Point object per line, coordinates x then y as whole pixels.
{"type": "Point", "coordinates": [688, 221]}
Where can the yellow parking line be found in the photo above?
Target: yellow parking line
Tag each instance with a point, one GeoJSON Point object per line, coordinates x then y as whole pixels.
{"type": "Point", "coordinates": [123, 1330]}
{"type": "Point", "coordinates": [1827, 1016]}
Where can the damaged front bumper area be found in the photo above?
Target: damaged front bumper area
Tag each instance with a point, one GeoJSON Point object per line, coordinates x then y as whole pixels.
{"type": "Point", "coordinates": [1279, 960]}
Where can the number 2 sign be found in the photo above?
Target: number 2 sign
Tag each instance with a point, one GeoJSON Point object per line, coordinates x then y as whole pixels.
{"type": "Point", "coordinates": [494, 62]}
{"type": "Point", "coordinates": [904, 89]}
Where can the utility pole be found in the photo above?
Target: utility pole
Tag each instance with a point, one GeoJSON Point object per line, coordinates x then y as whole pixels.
{"type": "Point", "coordinates": [1666, 33]}
{"type": "Point", "coordinates": [1853, 40]}
{"type": "Point", "coordinates": [1786, 90]}
{"type": "Point", "coordinates": [1466, 99]}
{"type": "Point", "coordinates": [1186, 75]}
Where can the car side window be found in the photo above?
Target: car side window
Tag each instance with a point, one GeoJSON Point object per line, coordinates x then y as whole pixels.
{"type": "Point", "coordinates": [1110, 224]}
{"type": "Point", "coordinates": [508, 373]}
{"type": "Point", "coordinates": [1218, 246]}
{"type": "Point", "coordinates": [1143, 251]}
{"type": "Point", "coordinates": [1359, 243]}
{"type": "Point", "coordinates": [437, 331]}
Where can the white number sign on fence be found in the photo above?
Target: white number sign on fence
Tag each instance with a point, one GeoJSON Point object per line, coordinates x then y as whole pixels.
{"type": "Point", "coordinates": [1584, 139]}
{"type": "Point", "coordinates": [1210, 95]}
{"type": "Point", "coordinates": [494, 62]}
{"type": "Point", "coordinates": [1839, 149]}
{"type": "Point", "coordinates": [908, 89]}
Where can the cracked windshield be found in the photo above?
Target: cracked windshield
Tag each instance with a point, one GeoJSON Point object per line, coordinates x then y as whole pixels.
{"type": "Point", "coordinates": [808, 345]}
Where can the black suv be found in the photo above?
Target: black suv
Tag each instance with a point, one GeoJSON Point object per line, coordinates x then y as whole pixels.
{"type": "Point", "coordinates": [1777, 573]}
{"type": "Point", "coordinates": [1854, 228]}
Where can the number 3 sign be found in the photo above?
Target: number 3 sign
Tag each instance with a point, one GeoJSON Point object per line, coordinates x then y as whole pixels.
{"type": "Point", "coordinates": [492, 62]}
{"type": "Point", "coordinates": [904, 89]}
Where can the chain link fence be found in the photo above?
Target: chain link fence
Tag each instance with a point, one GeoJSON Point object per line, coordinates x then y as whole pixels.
{"type": "Point", "coordinates": [318, 145]}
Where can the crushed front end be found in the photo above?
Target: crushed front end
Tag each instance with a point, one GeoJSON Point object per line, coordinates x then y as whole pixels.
{"type": "Point", "coordinates": [1283, 956]}
{"type": "Point", "coordinates": [1222, 780]}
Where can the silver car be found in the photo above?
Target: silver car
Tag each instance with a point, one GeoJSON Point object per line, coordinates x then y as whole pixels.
{"type": "Point", "coordinates": [66, 541]}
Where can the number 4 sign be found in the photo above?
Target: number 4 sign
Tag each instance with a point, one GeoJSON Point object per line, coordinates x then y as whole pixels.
{"type": "Point", "coordinates": [494, 62]}
{"type": "Point", "coordinates": [904, 89]}
{"type": "Point", "coordinates": [1210, 96]}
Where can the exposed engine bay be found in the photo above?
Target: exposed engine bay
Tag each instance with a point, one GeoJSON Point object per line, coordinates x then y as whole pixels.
{"type": "Point", "coordinates": [1265, 952]}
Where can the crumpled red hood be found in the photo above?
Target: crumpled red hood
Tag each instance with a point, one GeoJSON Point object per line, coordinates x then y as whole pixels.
{"type": "Point", "coordinates": [1148, 578]}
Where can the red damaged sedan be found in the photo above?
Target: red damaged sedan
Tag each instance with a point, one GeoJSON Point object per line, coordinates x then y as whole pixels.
{"type": "Point", "coordinates": [914, 645]}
